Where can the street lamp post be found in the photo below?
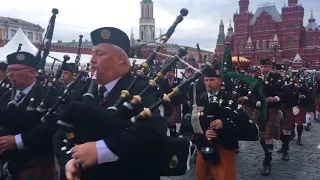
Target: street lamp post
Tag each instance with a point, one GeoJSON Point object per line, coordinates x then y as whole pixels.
{"type": "Point", "coordinates": [238, 56]}
{"type": "Point", "coordinates": [275, 45]}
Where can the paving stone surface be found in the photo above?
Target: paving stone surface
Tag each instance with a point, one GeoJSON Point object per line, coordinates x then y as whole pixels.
{"type": "Point", "coordinates": [304, 163]}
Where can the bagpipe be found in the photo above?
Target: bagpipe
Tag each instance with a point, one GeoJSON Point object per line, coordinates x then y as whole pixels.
{"type": "Point", "coordinates": [74, 120]}
{"type": "Point", "coordinates": [224, 107]}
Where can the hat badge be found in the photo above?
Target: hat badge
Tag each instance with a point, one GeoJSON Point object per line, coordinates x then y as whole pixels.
{"type": "Point", "coordinates": [20, 57]}
{"type": "Point", "coordinates": [218, 72]}
{"type": "Point", "coordinates": [105, 34]}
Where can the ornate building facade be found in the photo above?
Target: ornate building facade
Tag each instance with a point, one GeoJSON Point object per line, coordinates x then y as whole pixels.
{"type": "Point", "coordinates": [9, 27]}
{"type": "Point", "coordinates": [267, 33]}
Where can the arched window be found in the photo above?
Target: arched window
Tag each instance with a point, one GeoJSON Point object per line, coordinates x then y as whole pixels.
{"type": "Point", "coordinates": [310, 42]}
{"type": "Point", "coordinates": [257, 45]}
{"type": "Point", "coordinates": [290, 42]}
{"type": "Point", "coordinates": [270, 43]}
{"type": "Point", "coordinates": [141, 37]}
{"type": "Point", "coordinates": [264, 44]}
{"type": "Point", "coordinates": [240, 45]}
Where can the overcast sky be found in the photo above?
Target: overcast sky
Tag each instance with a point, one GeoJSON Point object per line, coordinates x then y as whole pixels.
{"type": "Point", "coordinates": [81, 17]}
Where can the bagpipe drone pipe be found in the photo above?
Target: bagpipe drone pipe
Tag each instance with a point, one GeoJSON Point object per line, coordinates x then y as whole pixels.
{"type": "Point", "coordinates": [84, 122]}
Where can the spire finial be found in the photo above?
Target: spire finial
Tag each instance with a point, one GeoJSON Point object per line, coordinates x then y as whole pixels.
{"type": "Point", "coordinates": [311, 11]}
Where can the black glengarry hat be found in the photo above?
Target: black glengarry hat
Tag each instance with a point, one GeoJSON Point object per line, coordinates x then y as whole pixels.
{"type": "Point", "coordinates": [215, 72]}
{"type": "Point", "coordinates": [280, 67]}
{"type": "Point", "coordinates": [265, 61]}
{"type": "Point", "coordinates": [70, 67]}
{"type": "Point", "coordinates": [111, 35]}
{"type": "Point", "coordinates": [24, 58]}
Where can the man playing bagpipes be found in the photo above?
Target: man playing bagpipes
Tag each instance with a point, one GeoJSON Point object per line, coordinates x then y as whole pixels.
{"type": "Point", "coordinates": [272, 92]}
{"type": "Point", "coordinates": [222, 123]}
{"type": "Point", "coordinates": [304, 104]}
{"type": "Point", "coordinates": [290, 97]}
{"type": "Point", "coordinates": [123, 154]}
{"type": "Point", "coordinates": [28, 143]}
{"type": "Point", "coordinates": [172, 111]}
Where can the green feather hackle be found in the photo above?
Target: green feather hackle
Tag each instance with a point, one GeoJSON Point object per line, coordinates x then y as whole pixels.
{"type": "Point", "coordinates": [258, 88]}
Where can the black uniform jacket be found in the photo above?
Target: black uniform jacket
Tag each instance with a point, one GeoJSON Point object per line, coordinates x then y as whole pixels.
{"type": "Point", "coordinates": [290, 94]}
{"type": "Point", "coordinates": [235, 126]}
{"type": "Point", "coordinates": [137, 146]}
{"type": "Point", "coordinates": [36, 136]}
{"type": "Point", "coordinates": [272, 86]}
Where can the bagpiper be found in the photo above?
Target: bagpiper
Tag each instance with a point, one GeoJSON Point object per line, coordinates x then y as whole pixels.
{"type": "Point", "coordinates": [272, 92]}
{"type": "Point", "coordinates": [290, 97]}
{"type": "Point", "coordinates": [221, 130]}
{"type": "Point", "coordinates": [171, 111]}
{"type": "Point", "coordinates": [27, 145]}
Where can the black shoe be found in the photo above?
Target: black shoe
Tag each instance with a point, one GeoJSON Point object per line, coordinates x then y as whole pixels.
{"type": "Point", "coordinates": [266, 169]}
{"type": "Point", "coordinates": [285, 156]}
{"type": "Point", "coordinates": [280, 150]}
{"type": "Point", "coordinates": [299, 143]}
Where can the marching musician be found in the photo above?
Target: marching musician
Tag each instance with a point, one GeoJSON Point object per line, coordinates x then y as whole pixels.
{"type": "Point", "coordinates": [216, 148]}
{"type": "Point", "coordinates": [172, 111]}
{"type": "Point", "coordinates": [124, 154]}
{"type": "Point", "coordinates": [4, 80]}
{"type": "Point", "coordinates": [272, 91]}
{"type": "Point", "coordinates": [69, 72]}
{"type": "Point", "coordinates": [310, 101]}
{"type": "Point", "coordinates": [28, 144]}
{"type": "Point", "coordinates": [305, 104]}
{"type": "Point", "coordinates": [290, 94]}
{"type": "Point", "coordinates": [186, 128]}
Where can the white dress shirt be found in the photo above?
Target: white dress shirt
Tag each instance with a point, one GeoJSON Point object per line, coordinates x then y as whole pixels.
{"type": "Point", "coordinates": [17, 137]}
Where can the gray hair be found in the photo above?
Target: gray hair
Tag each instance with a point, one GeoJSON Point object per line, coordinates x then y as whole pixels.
{"type": "Point", "coordinates": [124, 53]}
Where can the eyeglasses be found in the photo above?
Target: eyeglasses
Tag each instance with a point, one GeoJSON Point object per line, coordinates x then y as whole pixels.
{"type": "Point", "coordinates": [16, 69]}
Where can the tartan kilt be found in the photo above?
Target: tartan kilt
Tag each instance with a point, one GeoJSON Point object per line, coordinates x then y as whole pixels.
{"type": "Point", "coordinates": [37, 169]}
{"type": "Point", "coordinates": [301, 117]}
{"type": "Point", "coordinates": [288, 120]}
{"type": "Point", "coordinates": [176, 114]}
{"type": "Point", "coordinates": [272, 123]}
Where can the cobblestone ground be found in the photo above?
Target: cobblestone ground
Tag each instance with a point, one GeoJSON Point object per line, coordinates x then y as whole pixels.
{"type": "Point", "coordinates": [304, 163]}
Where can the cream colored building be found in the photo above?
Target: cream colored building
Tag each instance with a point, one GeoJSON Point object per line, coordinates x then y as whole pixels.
{"type": "Point", "coordinates": [9, 27]}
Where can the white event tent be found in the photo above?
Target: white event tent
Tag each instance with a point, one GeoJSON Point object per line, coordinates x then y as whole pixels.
{"type": "Point", "coordinates": [13, 44]}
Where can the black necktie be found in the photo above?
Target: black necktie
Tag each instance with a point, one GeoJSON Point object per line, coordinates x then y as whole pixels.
{"type": "Point", "coordinates": [20, 96]}
{"type": "Point", "coordinates": [101, 92]}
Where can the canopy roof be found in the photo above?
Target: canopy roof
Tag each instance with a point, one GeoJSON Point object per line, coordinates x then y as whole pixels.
{"type": "Point", "coordinates": [13, 44]}
{"type": "Point", "coordinates": [241, 59]}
